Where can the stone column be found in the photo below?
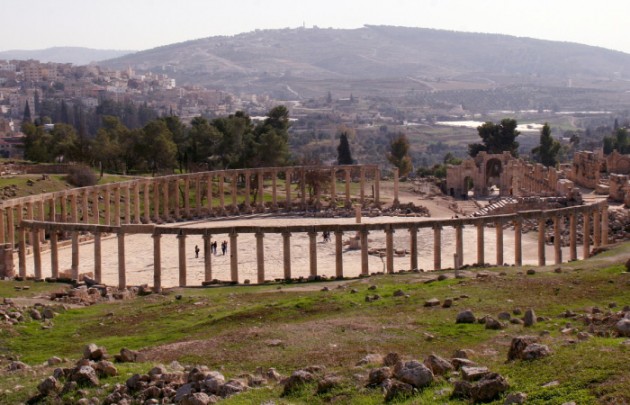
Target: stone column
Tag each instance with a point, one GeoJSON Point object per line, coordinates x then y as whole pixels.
{"type": "Point", "coordinates": [604, 230]}
{"type": "Point", "coordinates": [37, 254]}
{"type": "Point", "coordinates": [209, 192]}
{"type": "Point", "coordinates": [389, 248]}
{"type": "Point", "coordinates": [74, 268]}
{"type": "Point", "coordinates": [287, 186]}
{"type": "Point", "coordinates": [413, 233]}
{"type": "Point", "coordinates": [52, 210]}
{"type": "Point", "coordinates": [156, 200]}
{"type": "Point", "coordinates": [260, 256]}
{"type": "Point", "coordinates": [157, 262]}
{"type": "Point", "coordinates": [572, 236]}
{"type": "Point", "coordinates": [303, 187]}
{"type": "Point", "coordinates": [333, 187]}
{"type": "Point", "coordinates": [557, 239]}
{"type": "Point", "coordinates": [136, 204]}
{"type": "Point", "coordinates": [98, 273]}
{"type": "Point", "coordinates": [274, 188]}
{"type": "Point", "coordinates": [377, 180]}
{"type": "Point", "coordinates": [597, 233]}
{"type": "Point", "coordinates": [586, 232]}
{"type": "Point", "coordinates": [2, 231]}
{"type": "Point", "coordinates": [318, 198]}
{"type": "Point", "coordinates": [397, 186]}
{"type": "Point", "coordinates": [127, 198]}
{"type": "Point", "coordinates": [234, 256]}
{"type": "Point", "coordinates": [234, 193]}
{"type": "Point", "coordinates": [117, 213]}
{"type": "Point", "coordinates": [22, 250]}
{"type": "Point", "coordinates": [187, 197]}
{"type": "Point", "coordinates": [365, 267]}
{"type": "Point", "coordinates": [107, 201]}
{"type": "Point", "coordinates": [481, 260]}
{"type": "Point", "coordinates": [166, 203]}
{"type": "Point", "coordinates": [122, 271]}
{"type": "Point", "coordinates": [286, 250]}
{"type": "Point", "coordinates": [181, 239]}
{"type": "Point", "coordinates": [29, 215]}
{"type": "Point", "coordinates": [207, 257]}
{"type": "Point", "coordinates": [518, 247]}
{"type": "Point", "coordinates": [437, 247]}
{"type": "Point", "coordinates": [459, 245]}
{"type": "Point", "coordinates": [248, 191]}
{"type": "Point", "coordinates": [541, 241]}
{"type": "Point", "coordinates": [147, 204]}
{"type": "Point", "coordinates": [347, 181]}
{"type": "Point", "coordinates": [499, 229]}
{"type": "Point", "coordinates": [198, 196]}
{"type": "Point", "coordinates": [362, 186]}
{"type": "Point", "coordinates": [176, 203]}
{"type": "Point", "coordinates": [312, 252]}
{"type": "Point", "coordinates": [54, 254]}
{"type": "Point", "coordinates": [261, 191]}
{"type": "Point", "coordinates": [95, 208]}
{"type": "Point", "coordinates": [84, 207]}
{"type": "Point", "coordinates": [222, 192]}
{"type": "Point", "coordinates": [63, 206]}
{"type": "Point", "coordinates": [338, 254]}
{"type": "Point", "coordinates": [10, 227]}
{"type": "Point", "coordinates": [74, 209]}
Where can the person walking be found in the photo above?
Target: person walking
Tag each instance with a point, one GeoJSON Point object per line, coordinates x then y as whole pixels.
{"type": "Point", "coordinates": [196, 251]}
{"type": "Point", "coordinates": [224, 247]}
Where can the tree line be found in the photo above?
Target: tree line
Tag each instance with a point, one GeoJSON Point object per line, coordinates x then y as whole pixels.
{"type": "Point", "coordinates": [165, 143]}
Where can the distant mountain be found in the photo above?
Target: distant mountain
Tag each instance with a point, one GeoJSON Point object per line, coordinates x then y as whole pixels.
{"type": "Point", "coordinates": [378, 60]}
{"type": "Point", "coordinates": [74, 55]}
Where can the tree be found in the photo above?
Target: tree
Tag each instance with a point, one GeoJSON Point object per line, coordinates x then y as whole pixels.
{"type": "Point", "coordinates": [344, 156]}
{"type": "Point", "coordinates": [496, 138]}
{"type": "Point", "coordinates": [547, 151]}
{"type": "Point", "coordinates": [618, 141]}
{"type": "Point", "coordinates": [27, 113]}
{"type": "Point", "coordinates": [399, 154]}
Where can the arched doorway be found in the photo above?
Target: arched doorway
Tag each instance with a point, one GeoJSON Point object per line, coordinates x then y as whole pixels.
{"type": "Point", "coordinates": [469, 188]}
{"type": "Point", "coordinates": [494, 169]}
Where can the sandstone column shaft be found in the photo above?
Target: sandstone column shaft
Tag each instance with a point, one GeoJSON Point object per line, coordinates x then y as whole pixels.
{"type": "Point", "coordinates": [107, 201]}
{"type": "Point", "coordinates": [587, 234]}
{"type": "Point", "coordinates": [74, 268]}
{"type": "Point", "coordinates": [437, 247]}
{"type": "Point", "coordinates": [122, 272]}
{"type": "Point", "coordinates": [207, 257]}
{"type": "Point", "coordinates": [596, 228]}
{"type": "Point", "coordinates": [499, 230]}
{"type": "Point", "coordinates": [389, 248]}
{"type": "Point", "coordinates": [157, 263]}
{"type": "Point", "coordinates": [37, 255]}
{"type": "Point", "coordinates": [339, 254]}
{"type": "Point", "coordinates": [362, 186]}
{"type": "Point", "coordinates": [347, 181]}
{"type": "Point", "coordinates": [260, 256]}
{"type": "Point", "coordinates": [541, 241]}
{"type": "Point", "coordinates": [181, 239]}
{"type": "Point", "coordinates": [187, 196]}
{"type": "Point", "coordinates": [261, 191]}
{"type": "Point", "coordinates": [117, 211]}
{"type": "Point", "coordinates": [396, 187]}
{"type": "Point", "coordinates": [604, 230]}
{"type": "Point", "coordinates": [557, 239]}
{"type": "Point", "coordinates": [518, 247]}
{"type": "Point", "coordinates": [572, 236]}
{"type": "Point", "coordinates": [413, 233]}
{"type": "Point", "coordinates": [234, 193]}
{"type": "Point", "coordinates": [84, 207]}
{"type": "Point", "coordinates": [365, 270]}
{"type": "Point", "coordinates": [287, 186]}
{"type": "Point", "coordinates": [98, 272]}
{"type": "Point", "coordinates": [459, 245]}
{"type": "Point", "coordinates": [54, 255]}
{"type": "Point", "coordinates": [333, 187]}
{"type": "Point", "coordinates": [22, 251]}
{"type": "Point", "coordinates": [286, 250]}
{"type": "Point", "coordinates": [198, 196]}
{"type": "Point", "coordinates": [234, 256]}
{"type": "Point", "coordinates": [312, 252]}
{"type": "Point", "coordinates": [480, 244]}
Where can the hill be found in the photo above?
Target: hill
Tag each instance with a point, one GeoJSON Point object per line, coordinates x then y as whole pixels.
{"type": "Point", "coordinates": [379, 60]}
{"type": "Point", "coordinates": [74, 55]}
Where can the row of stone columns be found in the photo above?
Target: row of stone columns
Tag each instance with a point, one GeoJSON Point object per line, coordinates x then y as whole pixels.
{"type": "Point", "coordinates": [599, 228]}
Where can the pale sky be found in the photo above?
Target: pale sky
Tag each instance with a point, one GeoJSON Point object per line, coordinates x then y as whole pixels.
{"type": "Point", "coordinates": [145, 24]}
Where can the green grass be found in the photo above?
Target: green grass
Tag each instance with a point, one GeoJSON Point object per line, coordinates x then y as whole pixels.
{"type": "Point", "coordinates": [228, 327]}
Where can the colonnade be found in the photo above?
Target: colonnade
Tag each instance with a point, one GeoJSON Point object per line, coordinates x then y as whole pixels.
{"type": "Point", "coordinates": [183, 197]}
{"type": "Point", "coordinates": [595, 227]}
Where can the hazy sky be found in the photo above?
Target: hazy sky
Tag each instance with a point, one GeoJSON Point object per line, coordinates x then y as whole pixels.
{"type": "Point", "coordinates": [144, 24]}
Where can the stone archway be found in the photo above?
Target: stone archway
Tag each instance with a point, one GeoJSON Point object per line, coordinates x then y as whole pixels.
{"type": "Point", "coordinates": [493, 173]}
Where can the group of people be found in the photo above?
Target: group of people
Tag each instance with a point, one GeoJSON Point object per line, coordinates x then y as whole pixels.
{"type": "Point", "coordinates": [213, 248]}
{"type": "Point", "coordinates": [326, 236]}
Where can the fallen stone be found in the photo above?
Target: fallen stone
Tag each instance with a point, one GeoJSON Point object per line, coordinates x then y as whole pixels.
{"type": "Point", "coordinates": [414, 373]}
{"type": "Point", "coordinates": [465, 316]}
{"type": "Point", "coordinates": [378, 375]}
{"type": "Point", "coordinates": [438, 365]}
{"type": "Point", "coordinates": [518, 345]}
{"type": "Point", "coordinates": [391, 359]}
{"type": "Point", "coordinates": [296, 380]}
{"type": "Point", "coordinates": [489, 388]}
{"type": "Point", "coordinates": [433, 302]}
{"type": "Point", "coordinates": [49, 386]}
{"type": "Point", "coordinates": [623, 327]}
{"type": "Point", "coordinates": [529, 319]}
{"type": "Point", "coordinates": [515, 398]}
{"type": "Point", "coordinates": [473, 373]}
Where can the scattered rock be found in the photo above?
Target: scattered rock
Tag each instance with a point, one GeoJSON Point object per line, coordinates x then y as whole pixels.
{"type": "Point", "coordinates": [433, 302]}
{"type": "Point", "coordinates": [370, 359]}
{"type": "Point", "coordinates": [438, 365]}
{"type": "Point", "coordinates": [623, 327]}
{"type": "Point", "coordinates": [465, 316]}
{"type": "Point", "coordinates": [515, 398]}
{"type": "Point", "coordinates": [391, 359]}
{"type": "Point", "coordinates": [493, 324]}
{"type": "Point", "coordinates": [49, 386]}
{"type": "Point", "coordinates": [489, 388]}
{"type": "Point", "coordinates": [296, 380]}
{"type": "Point", "coordinates": [535, 351]}
{"type": "Point", "coordinates": [529, 319]}
{"type": "Point", "coordinates": [378, 375]}
{"type": "Point", "coordinates": [447, 303]}
{"type": "Point", "coordinates": [414, 373]}
{"type": "Point", "coordinates": [473, 373]}
{"type": "Point", "coordinates": [518, 345]}
{"type": "Point", "coordinates": [327, 384]}
{"type": "Point", "coordinates": [504, 316]}
{"type": "Point", "coordinates": [399, 293]}
{"type": "Point", "coordinates": [395, 389]}
{"type": "Point", "coordinates": [531, 272]}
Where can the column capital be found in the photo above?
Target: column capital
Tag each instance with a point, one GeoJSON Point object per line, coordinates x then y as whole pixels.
{"type": "Point", "coordinates": [259, 234]}
{"type": "Point", "coordinates": [285, 234]}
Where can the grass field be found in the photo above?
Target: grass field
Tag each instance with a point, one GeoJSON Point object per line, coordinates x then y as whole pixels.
{"type": "Point", "coordinates": [229, 328]}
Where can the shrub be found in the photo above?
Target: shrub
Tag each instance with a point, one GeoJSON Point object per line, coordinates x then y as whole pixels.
{"type": "Point", "coordinates": [81, 176]}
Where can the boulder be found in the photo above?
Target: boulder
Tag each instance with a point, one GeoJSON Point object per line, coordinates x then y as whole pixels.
{"type": "Point", "coordinates": [493, 324]}
{"type": "Point", "coordinates": [233, 387]}
{"type": "Point", "coordinates": [518, 345]}
{"type": "Point", "coordinates": [465, 316]}
{"type": "Point", "coordinates": [535, 351]}
{"type": "Point", "coordinates": [489, 388]}
{"type": "Point", "coordinates": [474, 373]}
{"type": "Point", "coordinates": [85, 376]}
{"type": "Point", "coordinates": [399, 293]}
{"type": "Point", "coordinates": [94, 352]}
{"type": "Point", "coordinates": [53, 361]}
{"type": "Point", "coordinates": [50, 385]}
{"type": "Point", "coordinates": [130, 356]}
{"type": "Point", "coordinates": [414, 373]}
{"type": "Point", "coordinates": [18, 366]}
{"type": "Point", "coordinates": [529, 319]}
{"type": "Point", "coordinates": [35, 314]}
{"type": "Point", "coordinates": [370, 359]}
{"type": "Point", "coordinates": [106, 368]}
{"type": "Point", "coordinates": [396, 390]}
{"type": "Point", "coordinates": [433, 302]}
{"type": "Point", "coordinates": [199, 398]}
{"type": "Point", "coordinates": [438, 365]}
{"type": "Point", "coordinates": [327, 384]}
{"type": "Point", "coordinates": [515, 398]}
{"type": "Point", "coordinates": [504, 316]}
{"type": "Point", "coordinates": [391, 359]}
{"type": "Point", "coordinates": [296, 380]}
{"type": "Point", "coordinates": [378, 375]}
{"type": "Point", "coordinates": [213, 382]}
{"type": "Point", "coordinates": [458, 363]}
{"type": "Point", "coordinates": [183, 391]}
{"type": "Point", "coordinates": [623, 327]}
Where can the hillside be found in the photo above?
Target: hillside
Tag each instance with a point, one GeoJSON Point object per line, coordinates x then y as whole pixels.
{"type": "Point", "coordinates": [310, 62]}
{"type": "Point", "coordinates": [74, 55]}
